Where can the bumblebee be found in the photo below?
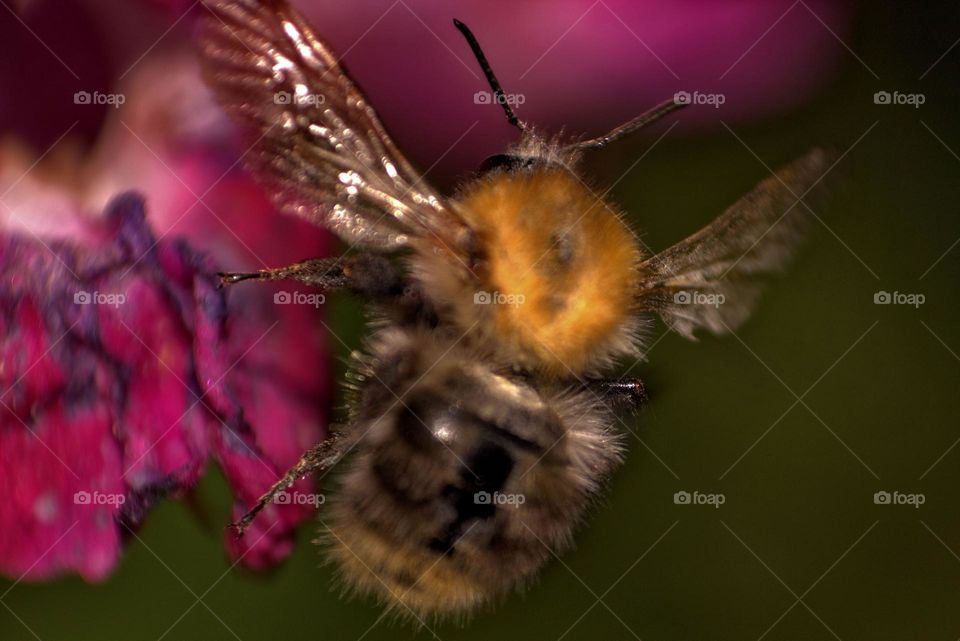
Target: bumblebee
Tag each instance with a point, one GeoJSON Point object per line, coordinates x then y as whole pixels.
{"type": "Point", "coordinates": [480, 426]}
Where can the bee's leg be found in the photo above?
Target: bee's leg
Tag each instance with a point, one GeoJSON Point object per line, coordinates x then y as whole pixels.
{"type": "Point", "coordinates": [370, 274]}
{"type": "Point", "coordinates": [319, 457]}
{"type": "Point", "coordinates": [625, 394]}
{"type": "Point", "coordinates": [321, 272]}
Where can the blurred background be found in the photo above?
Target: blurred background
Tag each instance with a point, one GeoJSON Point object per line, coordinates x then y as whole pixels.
{"type": "Point", "coordinates": [817, 445]}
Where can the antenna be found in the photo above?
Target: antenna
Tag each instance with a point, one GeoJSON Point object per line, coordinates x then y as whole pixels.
{"type": "Point", "coordinates": [498, 94]}
{"type": "Point", "coordinates": [630, 126]}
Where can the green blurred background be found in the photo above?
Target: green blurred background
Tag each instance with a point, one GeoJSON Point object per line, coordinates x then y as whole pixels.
{"type": "Point", "coordinates": [822, 400]}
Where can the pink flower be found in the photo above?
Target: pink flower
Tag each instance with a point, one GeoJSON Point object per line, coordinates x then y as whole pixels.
{"type": "Point", "coordinates": [130, 404]}
{"type": "Point", "coordinates": [121, 380]}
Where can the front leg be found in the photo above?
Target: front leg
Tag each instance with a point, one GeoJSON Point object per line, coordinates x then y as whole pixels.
{"type": "Point", "coordinates": [326, 273]}
{"type": "Point", "coordinates": [371, 275]}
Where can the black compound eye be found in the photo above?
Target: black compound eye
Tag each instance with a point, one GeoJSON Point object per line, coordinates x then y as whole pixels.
{"type": "Point", "coordinates": [507, 162]}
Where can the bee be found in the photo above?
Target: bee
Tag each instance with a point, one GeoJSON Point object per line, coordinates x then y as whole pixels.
{"type": "Point", "coordinates": [480, 426]}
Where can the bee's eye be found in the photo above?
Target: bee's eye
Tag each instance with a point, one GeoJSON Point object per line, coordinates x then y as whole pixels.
{"type": "Point", "coordinates": [507, 162]}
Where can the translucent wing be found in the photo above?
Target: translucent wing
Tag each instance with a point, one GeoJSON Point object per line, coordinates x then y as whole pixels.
{"type": "Point", "coordinates": [709, 279]}
{"type": "Point", "coordinates": [315, 143]}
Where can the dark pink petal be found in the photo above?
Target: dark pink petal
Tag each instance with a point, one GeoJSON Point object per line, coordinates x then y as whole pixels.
{"type": "Point", "coordinates": [62, 493]}
{"type": "Point", "coordinates": [120, 382]}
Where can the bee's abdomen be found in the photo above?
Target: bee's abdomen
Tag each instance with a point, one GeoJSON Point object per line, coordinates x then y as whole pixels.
{"type": "Point", "coordinates": [427, 481]}
{"type": "Point", "coordinates": [463, 481]}
{"type": "Point", "coordinates": [483, 475]}
{"type": "Point", "coordinates": [413, 523]}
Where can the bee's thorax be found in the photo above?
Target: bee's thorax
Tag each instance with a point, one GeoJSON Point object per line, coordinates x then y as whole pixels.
{"type": "Point", "coordinates": [554, 291]}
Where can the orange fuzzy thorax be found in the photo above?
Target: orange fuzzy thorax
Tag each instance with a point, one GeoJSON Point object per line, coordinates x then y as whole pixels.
{"type": "Point", "coordinates": [559, 272]}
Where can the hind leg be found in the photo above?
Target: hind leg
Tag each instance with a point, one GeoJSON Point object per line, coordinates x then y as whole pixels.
{"type": "Point", "coordinates": [626, 395]}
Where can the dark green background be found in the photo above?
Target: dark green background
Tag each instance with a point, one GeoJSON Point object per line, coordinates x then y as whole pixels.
{"type": "Point", "coordinates": [799, 518]}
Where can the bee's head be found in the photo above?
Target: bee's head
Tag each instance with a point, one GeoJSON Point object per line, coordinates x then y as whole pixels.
{"type": "Point", "coordinates": [508, 162]}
